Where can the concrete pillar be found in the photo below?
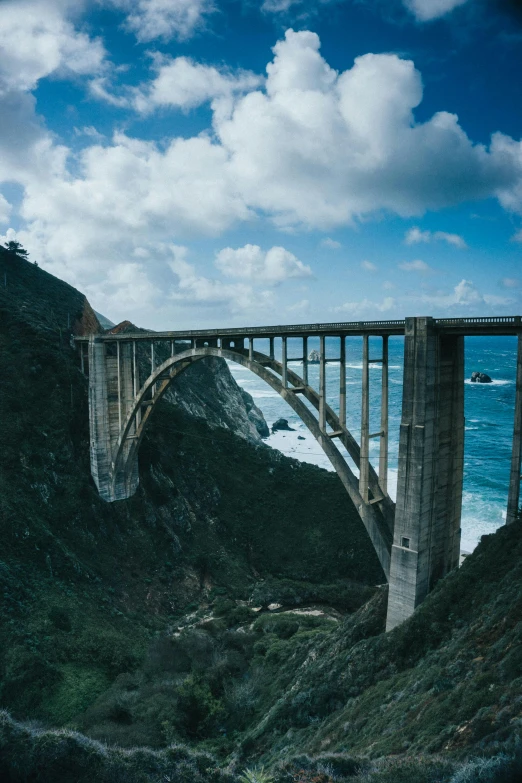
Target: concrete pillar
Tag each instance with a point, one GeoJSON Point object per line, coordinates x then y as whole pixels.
{"type": "Point", "coordinates": [100, 444]}
{"type": "Point", "coordinates": [305, 361]}
{"type": "Point", "coordinates": [125, 483]}
{"type": "Point", "coordinates": [271, 354]}
{"type": "Point", "coordinates": [364, 468]}
{"type": "Point", "coordinates": [322, 384]}
{"type": "Point", "coordinates": [251, 348]}
{"type": "Point", "coordinates": [110, 398]}
{"type": "Point", "coordinates": [516, 455]}
{"type": "Point", "coordinates": [431, 450]}
{"type": "Point", "coordinates": [383, 453]}
{"type": "Point", "coordinates": [342, 383]}
{"type": "Point", "coordinates": [152, 365]}
{"type": "Point", "coordinates": [284, 362]}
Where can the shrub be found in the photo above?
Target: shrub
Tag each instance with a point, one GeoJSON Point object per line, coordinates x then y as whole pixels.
{"type": "Point", "coordinates": [256, 776]}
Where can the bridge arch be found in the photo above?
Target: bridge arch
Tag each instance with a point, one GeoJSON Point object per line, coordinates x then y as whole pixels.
{"type": "Point", "coordinates": [377, 514]}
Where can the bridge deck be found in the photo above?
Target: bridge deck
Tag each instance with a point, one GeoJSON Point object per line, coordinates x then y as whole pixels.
{"type": "Point", "coordinates": [502, 325]}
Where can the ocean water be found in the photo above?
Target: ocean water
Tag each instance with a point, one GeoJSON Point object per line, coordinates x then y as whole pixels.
{"type": "Point", "coordinates": [489, 412]}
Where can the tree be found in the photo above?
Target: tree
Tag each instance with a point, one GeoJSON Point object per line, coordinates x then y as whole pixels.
{"type": "Point", "coordinates": [17, 249]}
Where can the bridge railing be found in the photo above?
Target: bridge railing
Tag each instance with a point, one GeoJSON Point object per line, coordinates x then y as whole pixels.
{"type": "Point", "coordinates": [502, 319]}
{"type": "Point", "coordinates": [514, 322]}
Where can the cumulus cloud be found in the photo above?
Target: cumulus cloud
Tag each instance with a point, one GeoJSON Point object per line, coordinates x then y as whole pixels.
{"type": "Point", "coordinates": [125, 289]}
{"type": "Point", "coordinates": [415, 266]}
{"type": "Point", "coordinates": [465, 294]}
{"type": "Point", "coordinates": [196, 289]}
{"type": "Point", "coordinates": [518, 236]}
{"type": "Point", "coordinates": [415, 235]}
{"type": "Point", "coordinates": [37, 38]}
{"type": "Point", "coordinates": [368, 266]}
{"type": "Point", "coordinates": [510, 282]}
{"type": "Point", "coordinates": [319, 148]}
{"type": "Point", "coordinates": [164, 19]}
{"type": "Point", "coordinates": [251, 263]}
{"type": "Point", "coordinates": [306, 148]}
{"type": "Point", "coordinates": [184, 84]}
{"type": "Point", "coordinates": [5, 210]}
{"type": "Point", "coordinates": [427, 10]}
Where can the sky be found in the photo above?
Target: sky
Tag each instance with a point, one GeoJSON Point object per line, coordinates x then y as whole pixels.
{"type": "Point", "coordinates": [207, 163]}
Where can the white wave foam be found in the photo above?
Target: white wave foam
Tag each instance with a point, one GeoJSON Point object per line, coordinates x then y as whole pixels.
{"type": "Point", "coordinates": [485, 385]}
{"type": "Point", "coordinates": [259, 393]}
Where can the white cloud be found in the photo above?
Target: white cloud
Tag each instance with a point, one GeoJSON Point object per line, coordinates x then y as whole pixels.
{"type": "Point", "coordinates": [388, 285]}
{"type": "Point", "coordinates": [465, 294]}
{"type": "Point", "coordinates": [331, 244]}
{"type": "Point", "coordinates": [310, 148]}
{"type": "Point", "coordinates": [5, 210]}
{"type": "Point", "coordinates": [510, 282]}
{"type": "Point", "coordinates": [415, 266]}
{"type": "Point", "coordinates": [415, 235]}
{"type": "Point", "coordinates": [164, 19]}
{"type": "Point", "coordinates": [320, 149]}
{"type": "Point", "coordinates": [426, 10]}
{"type": "Point", "coordinates": [251, 263]}
{"type": "Point", "coordinates": [518, 236]}
{"type": "Point", "coordinates": [126, 289]}
{"type": "Point", "coordinates": [366, 307]}
{"type": "Point", "coordinates": [184, 84]}
{"type": "Point", "coordinates": [37, 39]}
{"type": "Point", "coordinates": [196, 289]}
{"type": "Point", "coordinates": [368, 266]}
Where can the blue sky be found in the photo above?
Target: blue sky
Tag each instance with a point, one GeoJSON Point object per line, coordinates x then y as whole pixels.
{"type": "Point", "coordinates": [192, 163]}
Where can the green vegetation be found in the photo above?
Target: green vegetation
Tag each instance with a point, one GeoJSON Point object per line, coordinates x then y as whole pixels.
{"type": "Point", "coordinates": [16, 249]}
{"type": "Point", "coordinates": [146, 623]}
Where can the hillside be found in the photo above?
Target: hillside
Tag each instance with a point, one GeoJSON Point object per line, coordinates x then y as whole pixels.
{"type": "Point", "coordinates": [146, 622]}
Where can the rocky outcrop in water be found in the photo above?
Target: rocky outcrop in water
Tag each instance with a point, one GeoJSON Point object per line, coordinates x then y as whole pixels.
{"type": "Point", "coordinates": [281, 424]}
{"type": "Point", "coordinates": [480, 377]}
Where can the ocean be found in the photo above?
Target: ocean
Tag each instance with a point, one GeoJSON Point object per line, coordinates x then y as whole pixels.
{"type": "Point", "coordinates": [489, 412]}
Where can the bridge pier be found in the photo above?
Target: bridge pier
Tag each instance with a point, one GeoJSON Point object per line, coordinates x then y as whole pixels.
{"type": "Point", "coordinates": [111, 394]}
{"type": "Point", "coordinates": [516, 455]}
{"type": "Point", "coordinates": [426, 541]}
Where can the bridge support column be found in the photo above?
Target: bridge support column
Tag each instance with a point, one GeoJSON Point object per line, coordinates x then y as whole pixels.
{"type": "Point", "coordinates": [516, 456]}
{"type": "Point", "coordinates": [431, 450]}
{"type": "Point", "coordinates": [110, 396]}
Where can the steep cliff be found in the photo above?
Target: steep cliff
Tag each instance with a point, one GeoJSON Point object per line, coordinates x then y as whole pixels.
{"type": "Point", "coordinates": [234, 606]}
{"type": "Point", "coordinates": [84, 584]}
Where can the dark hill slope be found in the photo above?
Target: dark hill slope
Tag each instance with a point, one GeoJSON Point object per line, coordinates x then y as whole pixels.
{"type": "Point", "coordinates": [84, 585]}
{"type": "Point", "coordinates": [447, 680]}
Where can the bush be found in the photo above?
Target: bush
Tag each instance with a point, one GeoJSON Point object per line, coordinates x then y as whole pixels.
{"type": "Point", "coordinates": [499, 769]}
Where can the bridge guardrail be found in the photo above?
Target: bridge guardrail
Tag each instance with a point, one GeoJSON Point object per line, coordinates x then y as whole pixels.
{"type": "Point", "coordinates": [358, 327]}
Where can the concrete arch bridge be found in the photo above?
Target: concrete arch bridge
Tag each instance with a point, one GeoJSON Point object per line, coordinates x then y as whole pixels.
{"type": "Point", "coordinates": [417, 539]}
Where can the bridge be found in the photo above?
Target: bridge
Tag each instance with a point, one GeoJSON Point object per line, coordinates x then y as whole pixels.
{"type": "Point", "coordinates": [417, 538]}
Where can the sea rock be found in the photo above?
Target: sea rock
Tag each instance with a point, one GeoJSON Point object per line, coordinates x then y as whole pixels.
{"type": "Point", "coordinates": [255, 414]}
{"type": "Point", "coordinates": [281, 424]}
{"type": "Point", "coordinates": [480, 377]}
{"type": "Point", "coordinates": [314, 357]}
